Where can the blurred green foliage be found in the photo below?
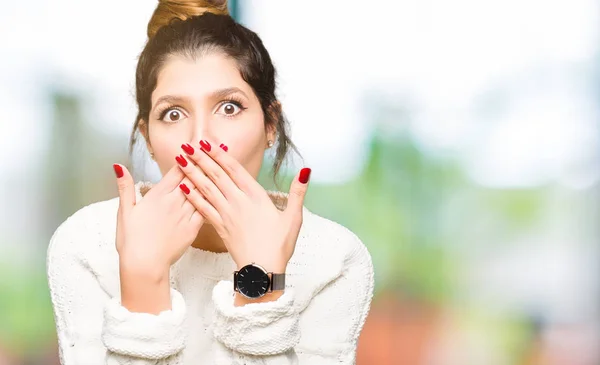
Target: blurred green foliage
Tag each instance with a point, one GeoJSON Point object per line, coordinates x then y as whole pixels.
{"type": "Point", "coordinates": [26, 319]}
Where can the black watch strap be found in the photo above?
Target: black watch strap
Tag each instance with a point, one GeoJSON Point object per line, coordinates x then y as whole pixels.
{"type": "Point", "coordinates": [278, 281]}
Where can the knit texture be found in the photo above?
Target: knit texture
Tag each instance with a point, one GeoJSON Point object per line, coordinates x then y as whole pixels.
{"type": "Point", "coordinates": [318, 319]}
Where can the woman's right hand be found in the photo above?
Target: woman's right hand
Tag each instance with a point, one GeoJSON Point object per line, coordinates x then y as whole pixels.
{"type": "Point", "coordinates": [152, 234]}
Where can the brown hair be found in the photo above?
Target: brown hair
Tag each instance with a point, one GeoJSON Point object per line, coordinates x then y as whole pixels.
{"type": "Point", "coordinates": [192, 28]}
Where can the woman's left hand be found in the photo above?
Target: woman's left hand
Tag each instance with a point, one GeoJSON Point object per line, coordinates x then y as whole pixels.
{"type": "Point", "coordinates": [251, 227]}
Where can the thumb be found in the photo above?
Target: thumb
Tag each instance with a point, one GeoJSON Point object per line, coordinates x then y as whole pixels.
{"type": "Point", "coordinates": [126, 188]}
{"type": "Point", "coordinates": [298, 192]}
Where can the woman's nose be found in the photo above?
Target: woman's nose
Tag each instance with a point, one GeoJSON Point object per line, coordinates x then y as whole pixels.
{"type": "Point", "coordinates": [203, 128]}
{"type": "Point", "coordinates": [201, 131]}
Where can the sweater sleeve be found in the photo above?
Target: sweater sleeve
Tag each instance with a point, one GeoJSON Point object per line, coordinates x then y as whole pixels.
{"type": "Point", "coordinates": [332, 322]}
{"type": "Point", "coordinates": [92, 327]}
{"type": "Point", "coordinates": [288, 331]}
{"type": "Point", "coordinates": [256, 333]}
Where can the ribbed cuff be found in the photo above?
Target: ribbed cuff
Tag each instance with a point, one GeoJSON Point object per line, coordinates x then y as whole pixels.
{"type": "Point", "coordinates": [261, 329]}
{"type": "Point", "coordinates": [145, 335]}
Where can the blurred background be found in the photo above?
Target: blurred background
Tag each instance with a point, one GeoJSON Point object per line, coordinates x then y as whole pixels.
{"type": "Point", "coordinates": [460, 140]}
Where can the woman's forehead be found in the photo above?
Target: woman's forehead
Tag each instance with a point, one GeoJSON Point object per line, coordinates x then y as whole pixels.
{"type": "Point", "coordinates": [198, 78]}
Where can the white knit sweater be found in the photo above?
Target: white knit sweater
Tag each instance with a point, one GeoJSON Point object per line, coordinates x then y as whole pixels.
{"type": "Point", "coordinates": [317, 321]}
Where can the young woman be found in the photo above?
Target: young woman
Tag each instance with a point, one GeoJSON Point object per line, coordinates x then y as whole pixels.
{"type": "Point", "coordinates": [206, 267]}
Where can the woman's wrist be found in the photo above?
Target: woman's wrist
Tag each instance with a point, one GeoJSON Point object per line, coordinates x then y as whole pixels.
{"type": "Point", "coordinates": [274, 265]}
{"type": "Point", "coordinates": [145, 288]}
{"type": "Point", "coordinates": [139, 265]}
{"type": "Point", "coordinates": [271, 265]}
{"type": "Point", "coordinates": [241, 300]}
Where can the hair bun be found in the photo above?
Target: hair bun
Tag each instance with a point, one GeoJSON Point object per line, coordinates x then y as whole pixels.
{"type": "Point", "coordinates": [167, 10]}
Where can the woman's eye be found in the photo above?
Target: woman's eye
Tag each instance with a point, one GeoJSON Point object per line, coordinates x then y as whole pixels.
{"type": "Point", "coordinates": [172, 115]}
{"type": "Point", "coordinates": [229, 109]}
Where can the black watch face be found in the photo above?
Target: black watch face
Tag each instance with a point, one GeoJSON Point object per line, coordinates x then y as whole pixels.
{"type": "Point", "coordinates": [252, 282]}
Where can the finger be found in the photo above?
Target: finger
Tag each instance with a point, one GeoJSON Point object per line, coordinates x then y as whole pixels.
{"type": "Point", "coordinates": [236, 172]}
{"type": "Point", "coordinates": [197, 219]}
{"type": "Point", "coordinates": [202, 206]}
{"type": "Point", "coordinates": [126, 188]}
{"type": "Point", "coordinates": [185, 184]}
{"type": "Point", "coordinates": [169, 181]}
{"type": "Point", "coordinates": [214, 172]}
{"type": "Point", "coordinates": [187, 209]}
{"type": "Point", "coordinates": [203, 184]}
{"type": "Point", "coordinates": [298, 192]}
{"type": "Point", "coordinates": [190, 216]}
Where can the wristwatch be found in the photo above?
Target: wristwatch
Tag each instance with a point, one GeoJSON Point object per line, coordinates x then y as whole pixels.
{"type": "Point", "coordinates": [253, 281]}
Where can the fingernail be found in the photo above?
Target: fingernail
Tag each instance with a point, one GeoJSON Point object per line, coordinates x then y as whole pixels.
{"type": "Point", "coordinates": [224, 147]}
{"type": "Point", "coordinates": [205, 145]}
{"type": "Point", "coordinates": [187, 148]}
{"type": "Point", "coordinates": [181, 161]}
{"type": "Point", "coordinates": [304, 175]}
{"type": "Point", "coordinates": [184, 188]}
{"type": "Point", "coordinates": [118, 170]}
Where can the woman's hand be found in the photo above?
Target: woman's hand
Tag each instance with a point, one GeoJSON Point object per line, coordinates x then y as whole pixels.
{"type": "Point", "coordinates": [159, 228]}
{"type": "Point", "coordinates": [251, 227]}
{"type": "Point", "coordinates": [151, 236]}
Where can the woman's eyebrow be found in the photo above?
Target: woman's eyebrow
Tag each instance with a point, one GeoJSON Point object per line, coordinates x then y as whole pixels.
{"type": "Point", "coordinates": [215, 95]}
{"type": "Point", "coordinates": [222, 93]}
{"type": "Point", "coordinates": [171, 99]}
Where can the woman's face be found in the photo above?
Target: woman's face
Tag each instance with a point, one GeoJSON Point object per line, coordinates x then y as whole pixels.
{"type": "Point", "coordinates": [206, 99]}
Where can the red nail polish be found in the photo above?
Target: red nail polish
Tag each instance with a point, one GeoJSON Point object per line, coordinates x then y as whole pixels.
{"type": "Point", "coordinates": [187, 148]}
{"type": "Point", "coordinates": [181, 161]}
{"type": "Point", "coordinates": [184, 188]}
{"type": "Point", "coordinates": [205, 145]}
{"type": "Point", "coordinates": [224, 147]}
{"type": "Point", "coordinates": [118, 170]}
{"type": "Point", "coordinates": [304, 175]}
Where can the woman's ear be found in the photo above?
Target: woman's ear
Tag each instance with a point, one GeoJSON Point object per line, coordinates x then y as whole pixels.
{"type": "Point", "coordinates": [271, 132]}
{"type": "Point", "coordinates": [143, 127]}
{"type": "Point", "coordinates": [274, 115]}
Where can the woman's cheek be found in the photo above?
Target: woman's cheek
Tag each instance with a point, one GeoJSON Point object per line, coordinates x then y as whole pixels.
{"type": "Point", "coordinates": [165, 152]}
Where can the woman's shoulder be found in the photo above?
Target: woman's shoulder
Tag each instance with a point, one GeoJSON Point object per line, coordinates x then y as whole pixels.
{"type": "Point", "coordinates": [86, 239]}
{"type": "Point", "coordinates": [326, 252]}
{"type": "Point", "coordinates": [85, 242]}
{"type": "Point", "coordinates": [322, 240]}
{"type": "Point", "coordinates": [87, 226]}
{"type": "Point", "coordinates": [92, 225]}
{"type": "Point", "coordinates": [328, 239]}
{"type": "Point", "coordinates": [327, 248]}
